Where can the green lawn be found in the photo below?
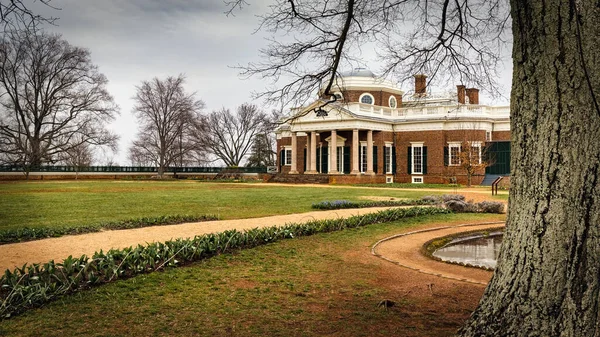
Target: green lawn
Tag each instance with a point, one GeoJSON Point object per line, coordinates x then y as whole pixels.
{"type": "Point", "coordinates": [326, 284]}
{"type": "Point", "coordinates": [42, 204]}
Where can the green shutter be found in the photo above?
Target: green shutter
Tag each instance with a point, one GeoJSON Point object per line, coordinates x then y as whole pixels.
{"type": "Point", "coordinates": [375, 159]}
{"type": "Point", "coordinates": [324, 161]}
{"type": "Point", "coordinates": [424, 159]}
{"type": "Point", "coordinates": [281, 157]}
{"type": "Point", "coordinates": [318, 168]}
{"type": "Point", "coordinates": [446, 154]}
{"type": "Point", "coordinates": [305, 161]}
{"type": "Point", "coordinates": [409, 160]}
{"type": "Point", "coordinates": [393, 159]}
{"type": "Point", "coordinates": [346, 159]}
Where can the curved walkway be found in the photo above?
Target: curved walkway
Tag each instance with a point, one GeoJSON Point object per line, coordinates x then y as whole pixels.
{"type": "Point", "coordinates": [405, 250]}
{"type": "Point", "coordinates": [41, 251]}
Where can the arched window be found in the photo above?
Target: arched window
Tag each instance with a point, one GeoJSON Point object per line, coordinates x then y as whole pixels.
{"type": "Point", "coordinates": [393, 102]}
{"type": "Point", "coordinates": [367, 98]}
{"type": "Point", "coordinates": [338, 96]}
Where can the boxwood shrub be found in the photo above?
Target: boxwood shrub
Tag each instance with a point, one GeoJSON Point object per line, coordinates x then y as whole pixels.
{"type": "Point", "coordinates": [340, 204]}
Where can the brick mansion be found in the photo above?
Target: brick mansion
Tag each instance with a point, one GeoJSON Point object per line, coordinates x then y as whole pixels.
{"type": "Point", "coordinates": [373, 133]}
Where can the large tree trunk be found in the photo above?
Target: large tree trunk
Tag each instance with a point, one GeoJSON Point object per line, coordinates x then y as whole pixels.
{"type": "Point", "coordinates": [548, 276]}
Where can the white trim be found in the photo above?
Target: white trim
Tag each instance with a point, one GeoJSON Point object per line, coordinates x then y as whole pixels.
{"type": "Point", "coordinates": [390, 166]}
{"type": "Point", "coordinates": [287, 148]}
{"type": "Point", "coordinates": [395, 102]}
{"type": "Point", "coordinates": [339, 93]}
{"type": "Point", "coordinates": [416, 145]}
{"type": "Point", "coordinates": [415, 179]}
{"type": "Point", "coordinates": [454, 145]}
{"type": "Point", "coordinates": [366, 94]}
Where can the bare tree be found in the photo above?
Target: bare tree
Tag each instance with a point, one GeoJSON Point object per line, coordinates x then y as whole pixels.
{"type": "Point", "coordinates": [16, 15]}
{"type": "Point", "coordinates": [168, 117]}
{"type": "Point", "coordinates": [546, 282]}
{"type": "Point", "coordinates": [229, 137]}
{"type": "Point", "coordinates": [52, 99]}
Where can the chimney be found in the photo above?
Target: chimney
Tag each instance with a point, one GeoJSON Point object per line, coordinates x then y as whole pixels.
{"type": "Point", "coordinates": [460, 90]}
{"type": "Point", "coordinates": [473, 95]}
{"type": "Point", "coordinates": [420, 85]}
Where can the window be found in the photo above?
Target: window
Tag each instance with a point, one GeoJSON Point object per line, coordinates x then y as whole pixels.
{"type": "Point", "coordinates": [475, 153]}
{"type": "Point", "coordinates": [367, 99]}
{"type": "Point", "coordinates": [393, 102]}
{"type": "Point", "coordinates": [454, 154]}
{"type": "Point", "coordinates": [417, 180]}
{"type": "Point", "coordinates": [417, 158]}
{"type": "Point", "coordinates": [340, 159]}
{"type": "Point", "coordinates": [388, 158]}
{"type": "Point", "coordinates": [338, 96]}
{"type": "Point", "coordinates": [488, 136]}
{"type": "Point", "coordinates": [363, 157]}
{"type": "Point", "coordinates": [288, 156]}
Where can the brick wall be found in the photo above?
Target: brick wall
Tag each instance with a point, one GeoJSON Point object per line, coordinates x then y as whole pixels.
{"type": "Point", "coordinates": [501, 136]}
{"type": "Point", "coordinates": [381, 97]}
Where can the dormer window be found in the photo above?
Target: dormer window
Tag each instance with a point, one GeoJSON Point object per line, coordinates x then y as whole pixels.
{"type": "Point", "coordinates": [367, 98]}
{"type": "Point", "coordinates": [393, 102]}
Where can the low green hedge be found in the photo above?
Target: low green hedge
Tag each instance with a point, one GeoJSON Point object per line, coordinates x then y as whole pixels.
{"type": "Point", "coordinates": [33, 285]}
{"type": "Point", "coordinates": [340, 204]}
{"type": "Point", "coordinates": [30, 234]}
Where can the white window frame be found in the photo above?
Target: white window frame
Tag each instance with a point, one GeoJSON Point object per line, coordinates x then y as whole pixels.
{"type": "Point", "coordinates": [286, 156]}
{"type": "Point", "coordinates": [363, 157]}
{"type": "Point", "coordinates": [478, 146]}
{"type": "Point", "coordinates": [412, 159]}
{"type": "Point", "coordinates": [395, 102]}
{"type": "Point", "coordinates": [367, 94]}
{"type": "Point", "coordinates": [454, 145]}
{"type": "Point", "coordinates": [488, 136]}
{"type": "Point", "coordinates": [388, 169]}
{"type": "Point", "coordinates": [336, 94]}
{"type": "Point", "coordinates": [415, 180]}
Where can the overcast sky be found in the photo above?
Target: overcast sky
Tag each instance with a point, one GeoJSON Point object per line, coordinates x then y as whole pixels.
{"type": "Point", "coordinates": [135, 40]}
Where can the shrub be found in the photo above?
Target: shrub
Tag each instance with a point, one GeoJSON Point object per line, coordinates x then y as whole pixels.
{"type": "Point", "coordinates": [33, 285]}
{"type": "Point", "coordinates": [490, 207]}
{"type": "Point", "coordinates": [448, 197]}
{"type": "Point", "coordinates": [340, 204]}
{"type": "Point", "coordinates": [434, 199]}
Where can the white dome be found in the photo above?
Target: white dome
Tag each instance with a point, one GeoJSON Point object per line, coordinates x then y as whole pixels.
{"type": "Point", "coordinates": [358, 72]}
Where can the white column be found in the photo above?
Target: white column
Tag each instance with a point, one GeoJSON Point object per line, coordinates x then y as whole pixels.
{"type": "Point", "coordinates": [307, 158]}
{"type": "Point", "coordinates": [313, 153]}
{"type": "Point", "coordinates": [370, 152]}
{"type": "Point", "coordinates": [355, 161]}
{"type": "Point", "coordinates": [294, 168]}
{"type": "Point", "coordinates": [333, 153]}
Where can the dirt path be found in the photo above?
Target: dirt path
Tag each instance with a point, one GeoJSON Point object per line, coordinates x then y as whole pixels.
{"type": "Point", "coordinates": [41, 251]}
{"type": "Point", "coordinates": [404, 250]}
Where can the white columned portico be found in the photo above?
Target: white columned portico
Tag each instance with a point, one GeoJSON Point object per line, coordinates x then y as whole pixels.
{"type": "Point", "coordinates": [333, 153]}
{"type": "Point", "coordinates": [294, 164]}
{"type": "Point", "coordinates": [370, 152]}
{"type": "Point", "coordinates": [355, 169]}
{"type": "Point", "coordinates": [313, 153]}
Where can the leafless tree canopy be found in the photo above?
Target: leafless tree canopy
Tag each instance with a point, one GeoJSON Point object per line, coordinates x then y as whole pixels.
{"type": "Point", "coordinates": [52, 99]}
{"type": "Point", "coordinates": [229, 136]}
{"type": "Point", "coordinates": [314, 40]}
{"type": "Point", "coordinates": [168, 118]}
{"type": "Point", "coordinates": [17, 15]}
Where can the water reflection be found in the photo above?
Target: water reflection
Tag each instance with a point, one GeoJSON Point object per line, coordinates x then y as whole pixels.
{"type": "Point", "coordinates": [477, 251]}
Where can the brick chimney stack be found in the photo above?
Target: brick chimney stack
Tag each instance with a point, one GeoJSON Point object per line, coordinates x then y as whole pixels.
{"type": "Point", "coordinates": [460, 90]}
{"type": "Point", "coordinates": [420, 85]}
{"type": "Point", "coordinates": [473, 95]}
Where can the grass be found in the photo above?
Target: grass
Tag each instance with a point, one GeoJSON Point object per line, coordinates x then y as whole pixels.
{"type": "Point", "coordinates": [327, 284]}
{"type": "Point", "coordinates": [72, 203]}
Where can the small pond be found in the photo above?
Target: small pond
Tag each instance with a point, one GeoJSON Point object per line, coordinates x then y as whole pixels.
{"type": "Point", "coordinates": [477, 250]}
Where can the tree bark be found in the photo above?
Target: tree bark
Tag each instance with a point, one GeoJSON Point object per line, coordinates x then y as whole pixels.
{"type": "Point", "coordinates": [548, 277]}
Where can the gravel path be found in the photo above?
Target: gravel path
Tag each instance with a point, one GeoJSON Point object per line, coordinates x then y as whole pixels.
{"type": "Point", "coordinates": [41, 251]}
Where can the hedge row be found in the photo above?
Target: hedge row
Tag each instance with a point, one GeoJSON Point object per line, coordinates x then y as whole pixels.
{"type": "Point", "coordinates": [29, 234]}
{"type": "Point", "coordinates": [33, 285]}
{"type": "Point", "coordinates": [339, 204]}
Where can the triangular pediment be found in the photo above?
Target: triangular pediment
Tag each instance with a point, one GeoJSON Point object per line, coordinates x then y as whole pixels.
{"type": "Point", "coordinates": [320, 112]}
